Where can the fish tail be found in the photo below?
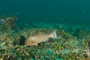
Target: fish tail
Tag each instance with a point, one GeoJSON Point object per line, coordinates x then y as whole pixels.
{"type": "Point", "coordinates": [55, 34]}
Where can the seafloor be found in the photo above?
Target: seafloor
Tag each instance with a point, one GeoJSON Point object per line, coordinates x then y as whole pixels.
{"type": "Point", "coordinates": [72, 42]}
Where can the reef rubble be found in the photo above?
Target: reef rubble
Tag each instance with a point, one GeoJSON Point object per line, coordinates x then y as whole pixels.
{"type": "Point", "coordinates": [67, 46]}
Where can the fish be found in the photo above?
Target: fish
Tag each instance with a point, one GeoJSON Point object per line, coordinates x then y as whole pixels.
{"type": "Point", "coordinates": [41, 37]}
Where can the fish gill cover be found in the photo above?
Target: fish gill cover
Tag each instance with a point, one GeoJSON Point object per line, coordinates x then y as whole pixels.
{"type": "Point", "coordinates": [55, 29]}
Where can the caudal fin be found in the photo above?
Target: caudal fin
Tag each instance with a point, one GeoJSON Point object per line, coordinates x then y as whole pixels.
{"type": "Point", "coordinates": [53, 35]}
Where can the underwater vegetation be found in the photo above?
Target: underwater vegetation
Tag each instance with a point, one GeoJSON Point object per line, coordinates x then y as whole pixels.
{"type": "Point", "coordinates": [65, 47]}
{"type": "Point", "coordinates": [8, 22]}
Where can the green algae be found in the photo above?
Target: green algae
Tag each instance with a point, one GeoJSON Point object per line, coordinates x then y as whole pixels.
{"type": "Point", "coordinates": [66, 46]}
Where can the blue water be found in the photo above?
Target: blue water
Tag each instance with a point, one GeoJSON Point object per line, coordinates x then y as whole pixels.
{"type": "Point", "coordinates": [61, 11]}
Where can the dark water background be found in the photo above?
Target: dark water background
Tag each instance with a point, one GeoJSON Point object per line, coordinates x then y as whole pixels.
{"type": "Point", "coordinates": [48, 11]}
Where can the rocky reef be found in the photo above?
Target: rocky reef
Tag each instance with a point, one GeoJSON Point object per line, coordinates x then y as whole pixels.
{"type": "Point", "coordinates": [67, 46]}
{"type": "Point", "coordinates": [8, 22]}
